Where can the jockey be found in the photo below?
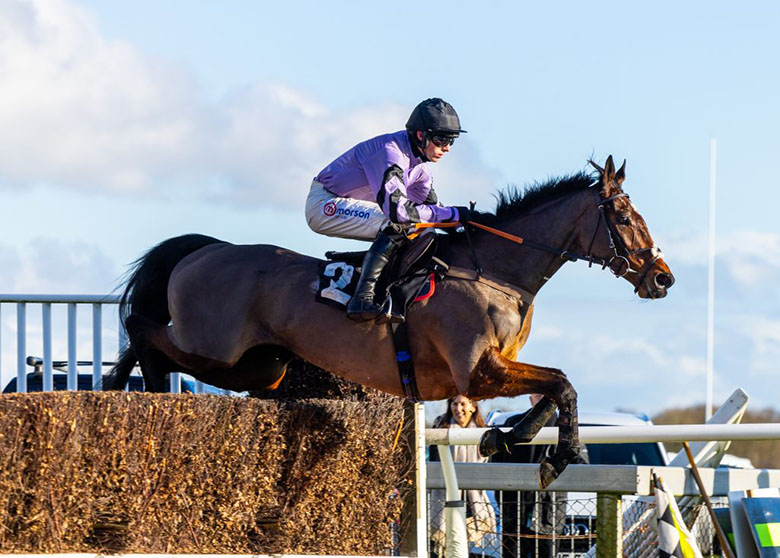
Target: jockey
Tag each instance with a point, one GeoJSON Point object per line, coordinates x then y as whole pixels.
{"type": "Point", "coordinates": [376, 188]}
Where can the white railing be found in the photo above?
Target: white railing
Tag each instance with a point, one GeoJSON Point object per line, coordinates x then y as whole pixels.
{"type": "Point", "coordinates": [73, 302]}
{"type": "Point", "coordinates": [621, 434]}
{"type": "Point", "coordinates": [609, 482]}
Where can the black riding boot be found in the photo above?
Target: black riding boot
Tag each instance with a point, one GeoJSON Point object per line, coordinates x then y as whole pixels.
{"type": "Point", "coordinates": [362, 307]}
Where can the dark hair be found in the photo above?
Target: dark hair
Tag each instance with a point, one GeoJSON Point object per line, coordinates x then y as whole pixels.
{"type": "Point", "coordinates": [443, 421]}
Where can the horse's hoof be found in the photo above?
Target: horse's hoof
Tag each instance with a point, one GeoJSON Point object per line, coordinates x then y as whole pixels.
{"type": "Point", "coordinates": [492, 442]}
{"type": "Point", "coordinates": [547, 474]}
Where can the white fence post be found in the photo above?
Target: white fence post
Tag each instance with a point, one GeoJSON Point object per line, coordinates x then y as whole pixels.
{"type": "Point", "coordinates": [21, 346]}
{"type": "Point", "coordinates": [73, 373]}
{"type": "Point", "coordinates": [48, 372]}
{"type": "Point", "coordinates": [421, 475]}
{"type": "Point", "coordinates": [456, 542]}
{"type": "Point", "coordinates": [174, 378]}
{"type": "Point", "coordinates": [97, 346]}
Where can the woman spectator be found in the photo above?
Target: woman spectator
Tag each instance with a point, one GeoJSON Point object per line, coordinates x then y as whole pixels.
{"type": "Point", "coordinates": [480, 516]}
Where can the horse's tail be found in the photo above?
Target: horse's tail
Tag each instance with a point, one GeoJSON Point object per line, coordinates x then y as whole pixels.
{"type": "Point", "coordinates": [146, 293]}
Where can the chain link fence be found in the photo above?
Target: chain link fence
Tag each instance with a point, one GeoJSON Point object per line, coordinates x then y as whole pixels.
{"type": "Point", "coordinates": [560, 525]}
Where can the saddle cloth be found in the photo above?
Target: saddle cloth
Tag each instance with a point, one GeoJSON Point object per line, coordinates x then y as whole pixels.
{"type": "Point", "coordinates": [337, 282]}
{"type": "Point", "coordinates": [415, 276]}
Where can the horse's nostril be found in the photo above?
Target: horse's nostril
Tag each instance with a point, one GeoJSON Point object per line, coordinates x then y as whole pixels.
{"type": "Point", "coordinates": [664, 280]}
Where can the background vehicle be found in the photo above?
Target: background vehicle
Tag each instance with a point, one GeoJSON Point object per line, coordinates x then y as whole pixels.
{"type": "Point", "coordinates": [60, 379]}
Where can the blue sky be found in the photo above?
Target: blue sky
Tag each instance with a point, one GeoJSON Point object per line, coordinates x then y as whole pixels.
{"type": "Point", "coordinates": [127, 123]}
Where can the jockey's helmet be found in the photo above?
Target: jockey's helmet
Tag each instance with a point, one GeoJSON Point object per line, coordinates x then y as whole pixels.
{"type": "Point", "coordinates": [435, 117]}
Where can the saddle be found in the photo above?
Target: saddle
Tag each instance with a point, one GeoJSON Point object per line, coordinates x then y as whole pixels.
{"type": "Point", "coordinates": [410, 278]}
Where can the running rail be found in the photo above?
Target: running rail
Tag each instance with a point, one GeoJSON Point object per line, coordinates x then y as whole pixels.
{"type": "Point", "coordinates": [72, 302]}
{"type": "Point", "coordinates": [621, 434]}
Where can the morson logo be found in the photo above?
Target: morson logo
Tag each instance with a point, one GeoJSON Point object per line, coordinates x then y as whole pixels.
{"type": "Point", "coordinates": [330, 209]}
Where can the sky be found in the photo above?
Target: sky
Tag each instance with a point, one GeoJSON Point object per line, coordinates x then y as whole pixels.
{"type": "Point", "coordinates": [128, 123]}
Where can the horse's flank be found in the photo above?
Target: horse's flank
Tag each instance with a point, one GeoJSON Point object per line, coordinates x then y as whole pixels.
{"type": "Point", "coordinates": [255, 309]}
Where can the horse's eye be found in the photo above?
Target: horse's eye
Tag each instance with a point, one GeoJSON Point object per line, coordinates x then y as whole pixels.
{"type": "Point", "coordinates": [623, 219]}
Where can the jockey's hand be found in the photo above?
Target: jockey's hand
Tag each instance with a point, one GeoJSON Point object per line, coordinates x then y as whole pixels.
{"type": "Point", "coordinates": [466, 214]}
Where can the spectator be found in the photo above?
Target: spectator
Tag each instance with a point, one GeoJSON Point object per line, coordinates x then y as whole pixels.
{"type": "Point", "coordinates": [480, 517]}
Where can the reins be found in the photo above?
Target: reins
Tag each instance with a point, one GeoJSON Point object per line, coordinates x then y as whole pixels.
{"type": "Point", "coordinates": [622, 261]}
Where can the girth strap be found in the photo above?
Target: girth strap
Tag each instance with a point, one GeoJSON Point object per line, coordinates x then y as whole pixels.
{"type": "Point", "coordinates": [403, 356]}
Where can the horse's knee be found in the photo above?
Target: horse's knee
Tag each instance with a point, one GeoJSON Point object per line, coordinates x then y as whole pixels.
{"type": "Point", "coordinates": [566, 395]}
{"type": "Point", "coordinates": [569, 397]}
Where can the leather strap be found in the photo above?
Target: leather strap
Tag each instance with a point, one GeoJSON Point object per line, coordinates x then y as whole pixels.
{"type": "Point", "coordinates": [403, 358]}
{"type": "Point", "coordinates": [526, 297]}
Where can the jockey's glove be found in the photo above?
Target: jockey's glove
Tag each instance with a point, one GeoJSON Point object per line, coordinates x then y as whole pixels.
{"type": "Point", "coordinates": [467, 214]}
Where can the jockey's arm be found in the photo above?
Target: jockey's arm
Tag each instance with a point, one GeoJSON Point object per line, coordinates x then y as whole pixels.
{"type": "Point", "coordinates": [395, 202]}
{"type": "Point", "coordinates": [402, 203]}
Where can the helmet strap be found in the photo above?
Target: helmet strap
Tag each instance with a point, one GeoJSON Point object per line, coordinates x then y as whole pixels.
{"type": "Point", "coordinates": [418, 147]}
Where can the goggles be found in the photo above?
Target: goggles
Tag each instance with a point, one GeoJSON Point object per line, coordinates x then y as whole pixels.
{"type": "Point", "coordinates": [442, 141]}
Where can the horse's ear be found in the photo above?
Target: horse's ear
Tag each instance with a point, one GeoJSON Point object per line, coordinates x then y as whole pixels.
{"type": "Point", "coordinates": [596, 166]}
{"type": "Point", "coordinates": [609, 170]}
{"type": "Point", "coordinates": [620, 175]}
{"type": "Point", "coordinates": [607, 178]}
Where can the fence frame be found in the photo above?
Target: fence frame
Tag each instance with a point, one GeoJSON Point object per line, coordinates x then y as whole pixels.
{"type": "Point", "coordinates": [609, 482]}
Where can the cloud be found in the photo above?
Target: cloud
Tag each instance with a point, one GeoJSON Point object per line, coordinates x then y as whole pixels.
{"type": "Point", "coordinates": [752, 258]}
{"type": "Point", "coordinates": [84, 112]}
{"type": "Point", "coordinates": [90, 113]}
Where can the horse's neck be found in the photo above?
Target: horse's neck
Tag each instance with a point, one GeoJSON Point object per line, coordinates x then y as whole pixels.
{"type": "Point", "coordinates": [558, 225]}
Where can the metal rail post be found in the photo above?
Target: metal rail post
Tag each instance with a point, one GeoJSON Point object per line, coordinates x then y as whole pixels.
{"type": "Point", "coordinates": [21, 347]}
{"type": "Point", "coordinates": [73, 380]}
{"type": "Point", "coordinates": [48, 372]}
{"type": "Point", "coordinates": [97, 346]}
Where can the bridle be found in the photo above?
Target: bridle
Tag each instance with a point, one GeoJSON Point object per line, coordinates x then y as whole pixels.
{"type": "Point", "coordinates": [618, 261]}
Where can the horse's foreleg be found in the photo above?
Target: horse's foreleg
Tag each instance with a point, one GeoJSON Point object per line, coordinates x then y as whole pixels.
{"type": "Point", "coordinates": [497, 376]}
{"type": "Point", "coordinates": [495, 439]}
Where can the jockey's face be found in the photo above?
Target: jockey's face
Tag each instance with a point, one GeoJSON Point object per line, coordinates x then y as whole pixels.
{"type": "Point", "coordinates": [432, 151]}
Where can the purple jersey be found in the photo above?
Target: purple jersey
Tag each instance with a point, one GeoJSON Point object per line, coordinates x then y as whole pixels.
{"type": "Point", "coordinates": [385, 170]}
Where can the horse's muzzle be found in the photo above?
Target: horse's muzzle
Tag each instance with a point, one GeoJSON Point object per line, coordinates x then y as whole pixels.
{"type": "Point", "coordinates": [660, 284]}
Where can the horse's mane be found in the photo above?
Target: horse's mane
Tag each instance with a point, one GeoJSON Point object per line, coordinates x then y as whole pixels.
{"type": "Point", "coordinates": [513, 200]}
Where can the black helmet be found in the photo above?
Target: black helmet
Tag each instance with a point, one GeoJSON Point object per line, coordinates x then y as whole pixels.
{"type": "Point", "coordinates": [436, 116]}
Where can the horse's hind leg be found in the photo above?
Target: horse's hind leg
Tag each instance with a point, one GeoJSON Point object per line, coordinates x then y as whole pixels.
{"type": "Point", "coordinates": [155, 365]}
{"type": "Point", "coordinates": [497, 376]}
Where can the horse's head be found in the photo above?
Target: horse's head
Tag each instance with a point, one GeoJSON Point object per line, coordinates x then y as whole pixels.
{"type": "Point", "coordinates": [621, 238]}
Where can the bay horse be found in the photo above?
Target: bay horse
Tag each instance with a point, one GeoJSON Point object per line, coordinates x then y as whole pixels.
{"type": "Point", "coordinates": [234, 316]}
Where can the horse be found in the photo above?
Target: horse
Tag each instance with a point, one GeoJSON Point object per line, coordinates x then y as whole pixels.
{"type": "Point", "coordinates": [234, 316]}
